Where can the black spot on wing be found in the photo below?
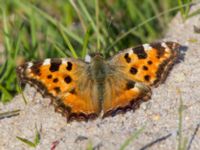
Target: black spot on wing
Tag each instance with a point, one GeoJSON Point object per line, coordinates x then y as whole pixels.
{"type": "Point", "coordinates": [35, 68]}
{"type": "Point", "coordinates": [133, 70]}
{"type": "Point", "coordinates": [130, 85]}
{"type": "Point", "coordinates": [55, 80]}
{"type": "Point", "coordinates": [127, 58]}
{"type": "Point", "coordinates": [145, 68]}
{"type": "Point", "coordinates": [159, 48]}
{"type": "Point", "coordinates": [72, 91]}
{"type": "Point", "coordinates": [149, 62]}
{"type": "Point", "coordinates": [147, 77]}
{"type": "Point", "coordinates": [57, 89]}
{"type": "Point", "coordinates": [55, 64]}
{"type": "Point", "coordinates": [140, 52]}
{"type": "Point", "coordinates": [49, 76]}
{"type": "Point", "coordinates": [69, 66]}
{"type": "Point", "coordinates": [68, 79]}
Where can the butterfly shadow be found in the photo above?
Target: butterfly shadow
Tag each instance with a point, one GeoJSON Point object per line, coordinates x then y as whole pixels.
{"type": "Point", "coordinates": [182, 50]}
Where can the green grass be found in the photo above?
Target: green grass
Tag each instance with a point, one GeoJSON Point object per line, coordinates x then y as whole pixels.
{"type": "Point", "coordinates": [182, 141]}
{"type": "Point", "coordinates": [135, 135]}
{"type": "Point", "coordinates": [29, 143]}
{"type": "Point", "coordinates": [125, 144]}
{"type": "Point", "coordinates": [9, 114]}
{"type": "Point", "coordinates": [34, 30]}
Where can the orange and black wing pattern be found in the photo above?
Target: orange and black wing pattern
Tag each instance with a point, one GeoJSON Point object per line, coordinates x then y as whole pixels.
{"type": "Point", "coordinates": [134, 71]}
{"type": "Point", "coordinates": [67, 83]}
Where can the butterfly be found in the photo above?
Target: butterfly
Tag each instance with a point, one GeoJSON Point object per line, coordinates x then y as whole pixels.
{"type": "Point", "coordinates": [82, 90]}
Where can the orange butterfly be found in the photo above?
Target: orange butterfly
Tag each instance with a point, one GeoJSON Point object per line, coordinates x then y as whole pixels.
{"type": "Point", "coordinates": [81, 90]}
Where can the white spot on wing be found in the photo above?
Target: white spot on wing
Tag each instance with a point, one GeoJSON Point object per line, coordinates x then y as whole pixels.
{"type": "Point", "coordinates": [64, 61]}
{"type": "Point", "coordinates": [163, 44]}
{"type": "Point", "coordinates": [46, 61]}
{"type": "Point", "coordinates": [147, 47]}
{"type": "Point", "coordinates": [30, 64]}
{"type": "Point", "coordinates": [130, 51]}
{"type": "Point", "coordinates": [135, 89]}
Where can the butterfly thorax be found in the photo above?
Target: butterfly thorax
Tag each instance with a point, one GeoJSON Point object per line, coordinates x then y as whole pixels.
{"type": "Point", "coordinates": [99, 68]}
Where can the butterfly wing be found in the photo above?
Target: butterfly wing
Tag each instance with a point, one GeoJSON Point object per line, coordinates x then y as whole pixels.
{"type": "Point", "coordinates": [148, 63]}
{"type": "Point", "coordinates": [134, 70]}
{"type": "Point", "coordinates": [123, 94]}
{"type": "Point", "coordinates": [67, 82]}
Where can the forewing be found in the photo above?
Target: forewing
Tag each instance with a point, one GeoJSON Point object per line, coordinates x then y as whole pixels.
{"type": "Point", "coordinates": [148, 63]}
{"type": "Point", "coordinates": [68, 84]}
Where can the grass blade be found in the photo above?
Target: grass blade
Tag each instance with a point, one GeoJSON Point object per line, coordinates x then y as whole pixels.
{"type": "Point", "coordinates": [88, 16]}
{"type": "Point", "coordinates": [145, 22]}
{"type": "Point", "coordinates": [6, 96]}
{"type": "Point", "coordinates": [37, 137]}
{"type": "Point", "coordinates": [180, 3]}
{"type": "Point", "coordinates": [19, 89]}
{"type": "Point", "coordinates": [132, 138]}
{"type": "Point", "coordinates": [156, 12]}
{"type": "Point", "coordinates": [59, 50]}
{"type": "Point", "coordinates": [29, 143]}
{"type": "Point", "coordinates": [79, 14]}
{"type": "Point", "coordinates": [89, 146]}
{"type": "Point", "coordinates": [85, 43]}
{"type": "Point", "coordinates": [5, 30]}
{"type": "Point", "coordinates": [148, 27]}
{"type": "Point", "coordinates": [184, 10]}
{"type": "Point", "coordinates": [9, 114]}
{"type": "Point", "coordinates": [180, 119]}
{"type": "Point", "coordinates": [68, 43]}
{"type": "Point", "coordinates": [55, 22]}
{"type": "Point", "coordinates": [182, 141]}
{"type": "Point", "coordinates": [50, 19]}
{"type": "Point", "coordinates": [33, 29]}
{"type": "Point", "coordinates": [194, 13]}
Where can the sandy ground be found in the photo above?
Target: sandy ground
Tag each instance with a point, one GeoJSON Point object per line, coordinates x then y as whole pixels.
{"type": "Point", "coordinates": [159, 115]}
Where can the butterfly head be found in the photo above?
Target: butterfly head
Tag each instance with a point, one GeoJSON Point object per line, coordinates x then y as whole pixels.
{"type": "Point", "coordinates": [96, 55]}
{"type": "Point", "coordinates": [91, 57]}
